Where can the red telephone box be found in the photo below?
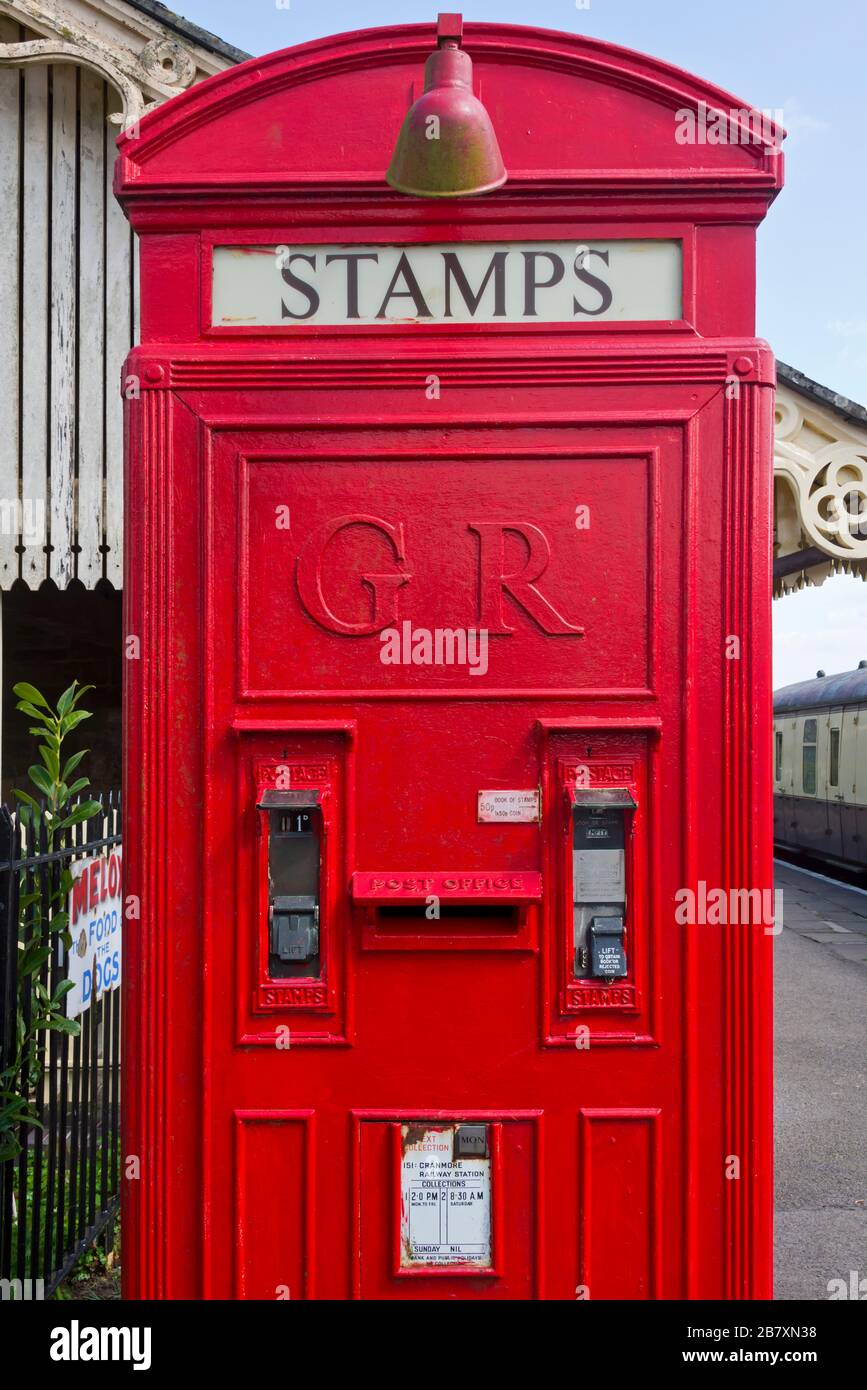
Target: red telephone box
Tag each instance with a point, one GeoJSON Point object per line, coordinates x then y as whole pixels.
{"type": "Point", "coordinates": [448, 561]}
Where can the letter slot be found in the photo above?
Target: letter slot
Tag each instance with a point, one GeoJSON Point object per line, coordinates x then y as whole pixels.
{"type": "Point", "coordinates": [601, 821]}
{"type": "Point", "coordinates": [293, 821]}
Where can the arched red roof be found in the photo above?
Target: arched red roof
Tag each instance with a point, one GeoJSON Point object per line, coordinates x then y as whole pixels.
{"type": "Point", "coordinates": [570, 112]}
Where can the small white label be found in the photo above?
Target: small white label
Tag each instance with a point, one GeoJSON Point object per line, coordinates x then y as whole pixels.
{"type": "Point", "coordinates": [445, 1206]}
{"type": "Point", "coordinates": [514, 807]}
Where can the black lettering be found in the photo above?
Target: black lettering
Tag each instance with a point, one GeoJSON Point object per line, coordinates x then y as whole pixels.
{"type": "Point", "coordinates": [412, 291]}
{"type": "Point", "coordinates": [531, 284]}
{"type": "Point", "coordinates": [497, 268]}
{"type": "Point", "coordinates": [603, 290]}
{"type": "Point", "coordinates": [352, 258]}
{"type": "Point", "coordinates": [310, 294]}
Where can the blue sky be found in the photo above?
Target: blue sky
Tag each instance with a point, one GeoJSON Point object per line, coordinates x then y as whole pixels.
{"type": "Point", "coordinates": [805, 59]}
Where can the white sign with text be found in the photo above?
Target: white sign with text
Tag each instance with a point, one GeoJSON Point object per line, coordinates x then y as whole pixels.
{"type": "Point", "coordinates": [95, 919]}
{"type": "Point", "coordinates": [542, 282]}
{"type": "Point", "coordinates": [445, 1202]}
{"type": "Point", "coordinates": [511, 807]}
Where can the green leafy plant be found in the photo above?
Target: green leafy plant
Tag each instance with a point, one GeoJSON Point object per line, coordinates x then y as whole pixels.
{"type": "Point", "coordinates": [42, 911]}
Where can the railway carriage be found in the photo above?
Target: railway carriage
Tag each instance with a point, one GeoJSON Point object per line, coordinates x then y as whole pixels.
{"type": "Point", "coordinates": [820, 767]}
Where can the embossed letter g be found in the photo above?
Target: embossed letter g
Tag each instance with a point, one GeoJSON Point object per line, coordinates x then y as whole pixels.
{"type": "Point", "coordinates": [383, 587]}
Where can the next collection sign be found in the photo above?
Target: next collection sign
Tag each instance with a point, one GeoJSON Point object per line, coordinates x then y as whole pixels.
{"type": "Point", "coordinates": [466, 282]}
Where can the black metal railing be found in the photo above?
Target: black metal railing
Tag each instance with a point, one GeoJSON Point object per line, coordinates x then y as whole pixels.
{"type": "Point", "coordinates": [60, 1192]}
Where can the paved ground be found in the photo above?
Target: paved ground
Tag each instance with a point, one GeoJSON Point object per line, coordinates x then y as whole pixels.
{"type": "Point", "coordinates": [821, 1086]}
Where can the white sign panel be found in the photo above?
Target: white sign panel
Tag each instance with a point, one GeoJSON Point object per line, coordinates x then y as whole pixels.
{"type": "Point", "coordinates": [95, 917]}
{"type": "Point", "coordinates": [599, 875]}
{"type": "Point", "coordinates": [513, 807]}
{"type": "Point", "coordinates": [445, 1208]}
{"type": "Point", "coordinates": [541, 282]}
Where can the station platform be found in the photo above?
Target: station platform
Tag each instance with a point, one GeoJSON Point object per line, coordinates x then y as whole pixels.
{"type": "Point", "coordinates": [824, 910]}
{"type": "Point", "coordinates": [820, 1031]}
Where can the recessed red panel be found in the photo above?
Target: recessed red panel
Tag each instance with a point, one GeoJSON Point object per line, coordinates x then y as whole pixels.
{"type": "Point", "coordinates": [274, 1222]}
{"type": "Point", "coordinates": [505, 1265]}
{"type": "Point", "coordinates": [375, 565]}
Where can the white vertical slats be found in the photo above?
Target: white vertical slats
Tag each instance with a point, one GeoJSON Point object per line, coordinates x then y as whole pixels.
{"type": "Point", "coordinates": [35, 354]}
{"type": "Point", "coordinates": [62, 395]}
{"type": "Point", "coordinates": [91, 326]}
{"type": "Point", "coordinates": [118, 318]}
{"type": "Point", "coordinates": [68, 274]}
{"type": "Point", "coordinates": [10, 85]}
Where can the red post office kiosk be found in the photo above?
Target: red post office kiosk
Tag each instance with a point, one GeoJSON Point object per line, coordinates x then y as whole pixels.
{"type": "Point", "coordinates": [448, 686]}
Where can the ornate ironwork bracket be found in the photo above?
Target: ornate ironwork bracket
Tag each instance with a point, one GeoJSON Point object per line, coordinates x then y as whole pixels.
{"type": "Point", "coordinates": [828, 484]}
{"type": "Point", "coordinates": [161, 68]}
